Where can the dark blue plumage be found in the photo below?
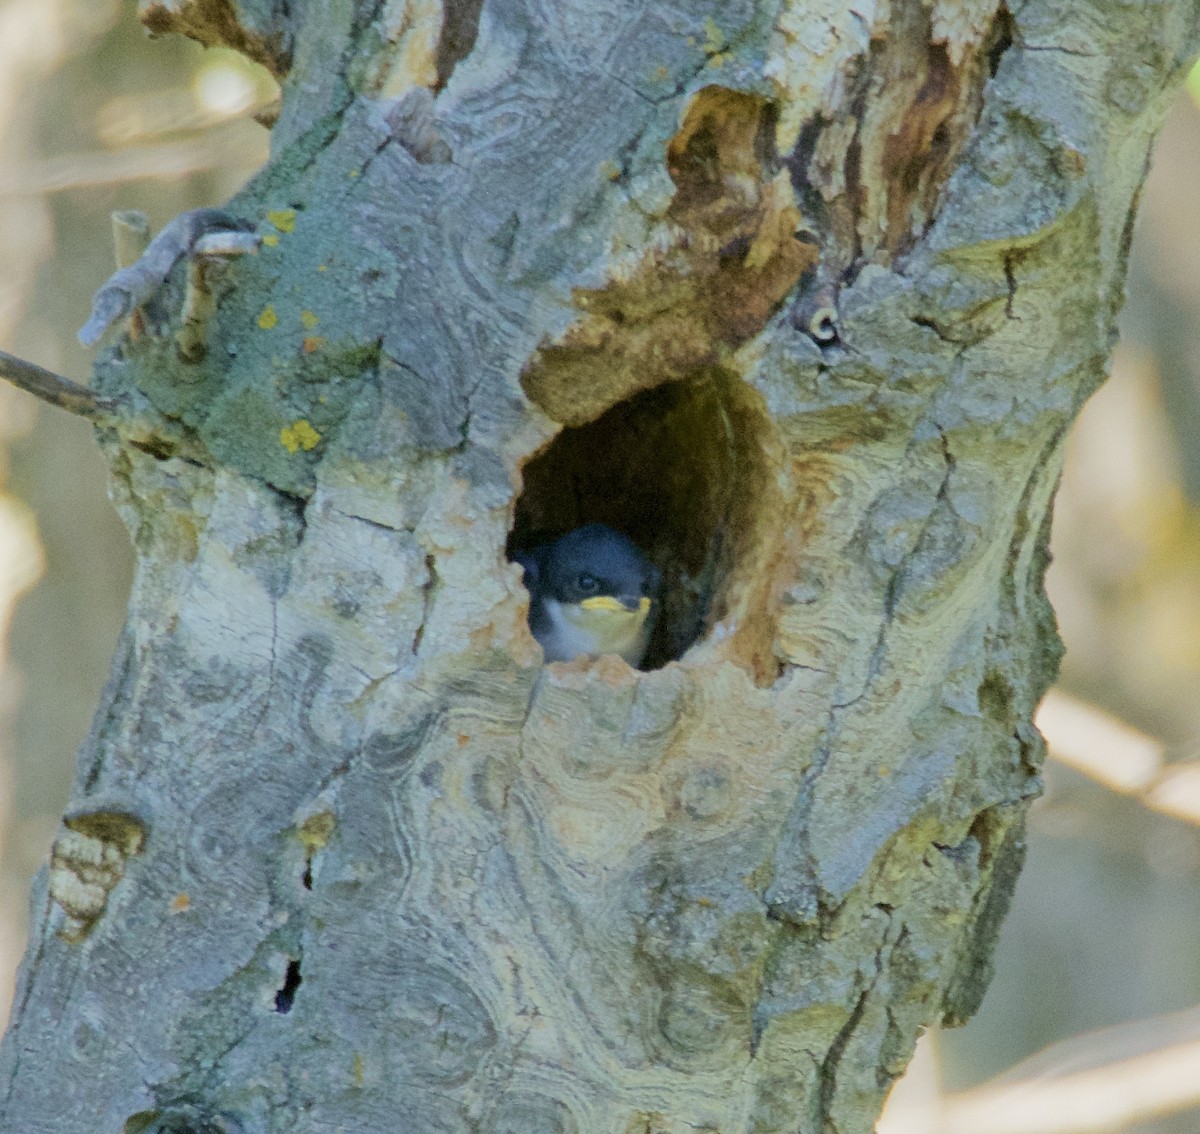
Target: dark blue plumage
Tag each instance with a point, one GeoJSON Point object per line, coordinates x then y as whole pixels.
{"type": "Point", "coordinates": [591, 592]}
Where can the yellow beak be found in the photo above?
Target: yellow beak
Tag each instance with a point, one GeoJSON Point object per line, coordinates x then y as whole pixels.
{"type": "Point", "coordinates": [607, 602]}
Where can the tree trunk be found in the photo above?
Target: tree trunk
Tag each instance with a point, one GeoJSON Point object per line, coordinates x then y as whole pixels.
{"type": "Point", "coordinates": [803, 297]}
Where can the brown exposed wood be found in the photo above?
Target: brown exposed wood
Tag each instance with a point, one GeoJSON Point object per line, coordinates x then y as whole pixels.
{"type": "Point", "coordinates": [726, 256]}
{"type": "Point", "coordinates": [216, 23]}
{"type": "Point", "coordinates": [915, 157]}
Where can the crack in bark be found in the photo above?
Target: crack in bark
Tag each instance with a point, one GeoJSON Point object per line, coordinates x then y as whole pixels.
{"type": "Point", "coordinates": [1058, 49]}
{"type": "Point", "coordinates": [1011, 260]}
{"type": "Point", "coordinates": [428, 589]}
{"type": "Point", "coordinates": [379, 525]}
{"type": "Point", "coordinates": [934, 326]}
{"type": "Point", "coordinates": [311, 142]}
{"type": "Point", "coordinates": [633, 90]}
{"type": "Point", "coordinates": [827, 1074]}
{"type": "Point", "coordinates": [267, 697]}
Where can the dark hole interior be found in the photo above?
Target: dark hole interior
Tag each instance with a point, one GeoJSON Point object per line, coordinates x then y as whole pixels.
{"type": "Point", "coordinates": [669, 468]}
{"type": "Point", "coordinates": [285, 997]}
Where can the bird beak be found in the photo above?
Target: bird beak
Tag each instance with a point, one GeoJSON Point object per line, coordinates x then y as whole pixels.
{"type": "Point", "coordinates": [635, 605]}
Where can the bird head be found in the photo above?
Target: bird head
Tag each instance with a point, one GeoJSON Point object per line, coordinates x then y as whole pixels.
{"type": "Point", "coordinates": [591, 592]}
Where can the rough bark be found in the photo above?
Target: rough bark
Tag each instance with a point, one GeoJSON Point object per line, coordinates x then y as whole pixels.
{"type": "Point", "coordinates": [801, 295]}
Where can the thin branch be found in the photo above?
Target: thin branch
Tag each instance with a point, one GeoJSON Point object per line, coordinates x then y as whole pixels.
{"type": "Point", "coordinates": [131, 235]}
{"type": "Point", "coordinates": [56, 389]}
{"type": "Point", "coordinates": [216, 150]}
{"type": "Point", "coordinates": [1105, 1094]}
{"type": "Point", "coordinates": [1092, 1083]}
{"type": "Point", "coordinates": [1118, 756]}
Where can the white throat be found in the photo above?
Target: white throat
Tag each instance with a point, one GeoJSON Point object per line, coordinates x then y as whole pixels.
{"type": "Point", "coordinates": [570, 631]}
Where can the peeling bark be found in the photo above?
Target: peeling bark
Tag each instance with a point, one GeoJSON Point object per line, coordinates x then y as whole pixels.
{"type": "Point", "coordinates": [802, 297]}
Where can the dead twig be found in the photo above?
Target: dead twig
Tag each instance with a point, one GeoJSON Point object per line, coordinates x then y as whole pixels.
{"type": "Point", "coordinates": [57, 390]}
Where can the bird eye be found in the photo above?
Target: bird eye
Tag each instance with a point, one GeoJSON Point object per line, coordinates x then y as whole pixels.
{"type": "Point", "coordinates": [589, 584]}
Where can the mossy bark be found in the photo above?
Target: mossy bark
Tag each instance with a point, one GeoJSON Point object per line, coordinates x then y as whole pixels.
{"type": "Point", "coordinates": [801, 296]}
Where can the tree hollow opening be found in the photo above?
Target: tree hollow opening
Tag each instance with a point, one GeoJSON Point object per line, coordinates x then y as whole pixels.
{"type": "Point", "coordinates": [689, 471]}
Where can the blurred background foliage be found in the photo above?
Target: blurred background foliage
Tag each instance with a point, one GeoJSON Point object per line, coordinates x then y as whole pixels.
{"type": "Point", "coordinates": [1093, 1020]}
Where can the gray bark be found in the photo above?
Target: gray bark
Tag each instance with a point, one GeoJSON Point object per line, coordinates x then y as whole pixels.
{"type": "Point", "coordinates": [801, 295]}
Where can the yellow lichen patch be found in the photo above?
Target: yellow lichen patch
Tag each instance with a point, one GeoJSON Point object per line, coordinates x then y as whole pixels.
{"type": "Point", "coordinates": [283, 219]}
{"type": "Point", "coordinates": [727, 257]}
{"type": "Point", "coordinates": [181, 903]}
{"type": "Point", "coordinates": [760, 877]}
{"type": "Point", "coordinates": [309, 320]}
{"type": "Point", "coordinates": [646, 1122]}
{"type": "Point", "coordinates": [714, 37]}
{"type": "Point", "coordinates": [268, 318]}
{"type": "Point", "coordinates": [271, 239]}
{"type": "Point", "coordinates": [299, 435]}
{"type": "Point", "coordinates": [316, 831]}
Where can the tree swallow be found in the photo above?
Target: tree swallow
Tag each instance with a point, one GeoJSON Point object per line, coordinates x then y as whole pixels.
{"type": "Point", "coordinates": [591, 592]}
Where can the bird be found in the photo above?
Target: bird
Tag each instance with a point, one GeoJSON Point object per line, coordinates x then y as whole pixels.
{"type": "Point", "coordinates": [591, 592]}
